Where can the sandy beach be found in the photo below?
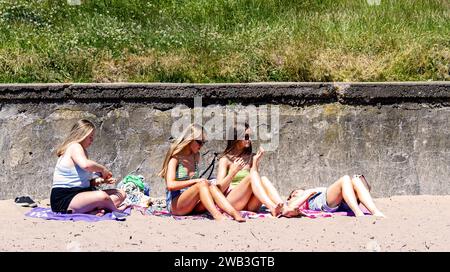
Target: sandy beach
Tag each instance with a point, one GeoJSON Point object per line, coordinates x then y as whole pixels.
{"type": "Point", "coordinates": [413, 223]}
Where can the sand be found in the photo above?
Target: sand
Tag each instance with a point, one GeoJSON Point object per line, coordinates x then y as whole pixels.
{"type": "Point", "coordinates": [414, 223]}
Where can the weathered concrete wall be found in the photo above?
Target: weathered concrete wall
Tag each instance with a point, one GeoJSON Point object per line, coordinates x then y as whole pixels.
{"type": "Point", "coordinates": [397, 134]}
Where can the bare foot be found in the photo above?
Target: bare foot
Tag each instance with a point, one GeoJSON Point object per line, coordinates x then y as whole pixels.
{"type": "Point", "coordinates": [219, 217]}
{"type": "Point", "coordinates": [379, 214]}
{"type": "Point", "coordinates": [276, 211]}
{"type": "Point", "coordinates": [101, 212]}
{"type": "Point", "coordinates": [238, 217]}
{"type": "Point", "coordinates": [97, 212]}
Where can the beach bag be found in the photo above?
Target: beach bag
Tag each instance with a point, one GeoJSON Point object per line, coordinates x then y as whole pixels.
{"type": "Point", "coordinates": [132, 183]}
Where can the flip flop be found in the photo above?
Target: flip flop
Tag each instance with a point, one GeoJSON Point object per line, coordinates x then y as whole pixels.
{"type": "Point", "coordinates": [119, 216]}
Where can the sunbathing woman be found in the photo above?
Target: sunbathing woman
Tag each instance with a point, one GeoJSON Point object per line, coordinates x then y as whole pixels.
{"type": "Point", "coordinates": [72, 190]}
{"type": "Point", "coordinates": [186, 192]}
{"type": "Point", "coordinates": [238, 176]}
{"type": "Point", "coordinates": [345, 191]}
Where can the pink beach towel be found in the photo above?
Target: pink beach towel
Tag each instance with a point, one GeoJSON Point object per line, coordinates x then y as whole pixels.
{"type": "Point", "coordinates": [342, 211]}
{"type": "Point", "coordinates": [245, 214]}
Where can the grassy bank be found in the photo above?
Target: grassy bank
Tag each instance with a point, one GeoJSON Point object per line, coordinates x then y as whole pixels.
{"type": "Point", "coordinates": [224, 40]}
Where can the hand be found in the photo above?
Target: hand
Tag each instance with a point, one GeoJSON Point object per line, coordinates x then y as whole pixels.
{"type": "Point", "coordinates": [237, 165]}
{"type": "Point", "coordinates": [258, 156]}
{"type": "Point", "coordinates": [106, 174]}
{"type": "Point", "coordinates": [110, 180]}
{"type": "Point", "coordinates": [200, 180]}
{"type": "Point", "coordinates": [95, 182]}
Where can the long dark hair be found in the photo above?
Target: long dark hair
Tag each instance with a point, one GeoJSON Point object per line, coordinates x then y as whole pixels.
{"type": "Point", "coordinates": [231, 143]}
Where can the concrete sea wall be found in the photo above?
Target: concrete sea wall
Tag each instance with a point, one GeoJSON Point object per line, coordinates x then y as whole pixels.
{"type": "Point", "coordinates": [396, 134]}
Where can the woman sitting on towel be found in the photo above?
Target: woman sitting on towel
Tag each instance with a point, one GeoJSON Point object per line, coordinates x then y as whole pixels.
{"type": "Point", "coordinates": [73, 190]}
{"type": "Point", "coordinates": [186, 192]}
{"type": "Point", "coordinates": [239, 179]}
{"type": "Point", "coordinates": [346, 191]}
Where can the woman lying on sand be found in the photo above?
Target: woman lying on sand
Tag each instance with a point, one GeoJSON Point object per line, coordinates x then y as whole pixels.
{"type": "Point", "coordinates": [345, 190]}
{"type": "Point", "coordinates": [72, 191]}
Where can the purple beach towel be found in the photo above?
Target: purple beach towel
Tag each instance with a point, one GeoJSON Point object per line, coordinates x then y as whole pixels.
{"type": "Point", "coordinates": [344, 210]}
{"type": "Point", "coordinates": [47, 214]}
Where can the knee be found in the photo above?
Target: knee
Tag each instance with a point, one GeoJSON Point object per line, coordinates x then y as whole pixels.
{"type": "Point", "coordinates": [360, 182]}
{"type": "Point", "coordinates": [203, 183]}
{"type": "Point", "coordinates": [213, 187]}
{"type": "Point", "coordinates": [264, 178]}
{"type": "Point", "coordinates": [346, 179]}
{"type": "Point", "coordinates": [354, 179]}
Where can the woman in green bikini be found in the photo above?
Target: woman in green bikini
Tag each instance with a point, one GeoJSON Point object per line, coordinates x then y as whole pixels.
{"type": "Point", "coordinates": [239, 179]}
{"type": "Point", "coordinates": [186, 191]}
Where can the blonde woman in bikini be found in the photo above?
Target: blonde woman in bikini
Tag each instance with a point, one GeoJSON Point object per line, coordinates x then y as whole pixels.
{"type": "Point", "coordinates": [186, 192]}
{"type": "Point", "coordinates": [238, 176]}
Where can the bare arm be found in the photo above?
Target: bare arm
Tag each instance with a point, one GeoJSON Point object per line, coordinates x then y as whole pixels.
{"type": "Point", "coordinates": [224, 177]}
{"type": "Point", "coordinates": [78, 156]}
{"type": "Point", "coordinates": [299, 200]}
{"type": "Point", "coordinates": [171, 183]}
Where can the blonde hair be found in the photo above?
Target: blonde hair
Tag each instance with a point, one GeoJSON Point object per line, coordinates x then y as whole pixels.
{"type": "Point", "coordinates": [191, 133]}
{"type": "Point", "coordinates": [77, 134]}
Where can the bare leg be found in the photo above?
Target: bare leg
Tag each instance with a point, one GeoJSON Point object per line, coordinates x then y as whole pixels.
{"type": "Point", "coordinates": [254, 204]}
{"type": "Point", "coordinates": [259, 189]}
{"type": "Point", "coordinates": [223, 203]}
{"type": "Point", "coordinates": [365, 197]}
{"type": "Point", "coordinates": [261, 194]}
{"type": "Point", "coordinates": [241, 194]}
{"type": "Point", "coordinates": [118, 196]}
{"type": "Point", "coordinates": [343, 189]}
{"type": "Point", "coordinates": [89, 201]}
{"type": "Point", "coordinates": [188, 200]}
{"type": "Point", "coordinates": [271, 191]}
{"type": "Point", "coordinates": [199, 208]}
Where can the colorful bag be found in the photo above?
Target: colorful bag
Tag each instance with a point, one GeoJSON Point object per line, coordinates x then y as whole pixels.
{"type": "Point", "coordinates": [137, 180]}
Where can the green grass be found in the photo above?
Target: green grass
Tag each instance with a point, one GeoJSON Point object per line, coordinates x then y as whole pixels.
{"type": "Point", "coordinates": [224, 40]}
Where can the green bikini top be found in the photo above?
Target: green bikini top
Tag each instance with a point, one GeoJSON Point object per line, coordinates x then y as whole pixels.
{"type": "Point", "coordinates": [182, 172]}
{"type": "Point", "coordinates": [239, 177]}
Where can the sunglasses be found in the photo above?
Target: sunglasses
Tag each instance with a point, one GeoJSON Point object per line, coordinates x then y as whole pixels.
{"type": "Point", "coordinates": [200, 142]}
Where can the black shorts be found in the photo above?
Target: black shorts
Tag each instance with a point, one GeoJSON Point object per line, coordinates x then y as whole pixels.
{"type": "Point", "coordinates": [60, 198]}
